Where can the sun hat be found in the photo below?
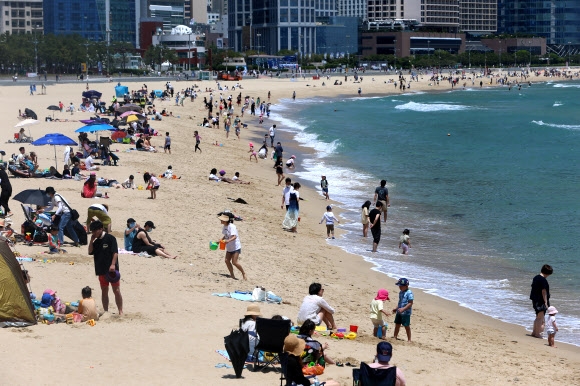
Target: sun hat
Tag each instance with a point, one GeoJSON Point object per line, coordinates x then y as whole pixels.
{"type": "Point", "coordinates": [222, 172]}
{"type": "Point", "coordinates": [383, 294]}
{"type": "Point", "coordinates": [384, 351]}
{"type": "Point", "coordinates": [49, 291]}
{"type": "Point", "coordinates": [292, 156]}
{"type": "Point", "coordinates": [552, 310]}
{"type": "Point", "coordinates": [402, 281]}
{"type": "Point", "coordinates": [46, 300]}
{"type": "Point", "coordinates": [253, 310]}
{"type": "Point", "coordinates": [113, 277]}
{"type": "Point", "coordinates": [251, 144]}
{"type": "Point", "coordinates": [149, 224]}
{"type": "Point", "coordinates": [224, 217]}
{"type": "Point", "coordinates": [293, 345]}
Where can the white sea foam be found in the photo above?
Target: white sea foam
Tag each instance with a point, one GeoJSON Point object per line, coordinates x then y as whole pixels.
{"type": "Point", "coordinates": [567, 85]}
{"type": "Point", "coordinates": [428, 107]}
{"type": "Point", "coordinates": [567, 127]}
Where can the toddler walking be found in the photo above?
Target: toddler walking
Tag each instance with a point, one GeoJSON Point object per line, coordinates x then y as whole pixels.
{"type": "Point", "coordinates": [405, 241]}
{"type": "Point", "coordinates": [377, 312]}
{"type": "Point", "coordinates": [551, 326]}
{"type": "Point", "coordinates": [329, 217]}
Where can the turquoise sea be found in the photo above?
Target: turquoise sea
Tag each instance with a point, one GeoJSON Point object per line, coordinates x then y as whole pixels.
{"type": "Point", "coordinates": [487, 180]}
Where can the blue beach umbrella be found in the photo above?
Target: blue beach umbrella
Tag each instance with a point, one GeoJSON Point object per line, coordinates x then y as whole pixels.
{"type": "Point", "coordinates": [55, 139]}
{"type": "Point", "coordinates": [94, 128]}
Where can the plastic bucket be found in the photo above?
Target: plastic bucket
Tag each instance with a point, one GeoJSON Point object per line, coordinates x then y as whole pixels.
{"type": "Point", "coordinates": [213, 245]}
{"type": "Point", "coordinates": [353, 328]}
{"type": "Point", "coordinates": [222, 245]}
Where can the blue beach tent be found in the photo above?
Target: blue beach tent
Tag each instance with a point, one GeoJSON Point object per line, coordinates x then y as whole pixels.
{"type": "Point", "coordinates": [120, 91]}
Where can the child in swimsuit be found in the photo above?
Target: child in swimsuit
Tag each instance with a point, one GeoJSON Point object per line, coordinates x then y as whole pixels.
{"type": "Point", "coordinates": [253, 152]}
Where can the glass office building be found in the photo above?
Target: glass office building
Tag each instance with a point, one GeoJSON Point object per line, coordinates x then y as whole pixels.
{"type": "Point", "coordinates": [337, 36]}
{"type": "Point", "coordinates": [271, 26]}
{"type": "Point", "coordinates": [555, 20]}
{"type": "Point", "coordinates": [87, 18]}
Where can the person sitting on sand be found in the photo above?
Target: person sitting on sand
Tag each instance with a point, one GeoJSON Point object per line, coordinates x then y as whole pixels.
{"type": "Point", "coordinates": [249, 325]}
{"type": "Point", "coordinates": [315, 308]}
{"type": "Point", "coordinates": [22, 137]}
{"type": "Point", "coordinates": [129, 183]}
{"type": "Point", "coordinates": [88, 306]}
{"type": "Point", "coordinates": [294, 375]}
{"type": "Point", "coordinates": [213, 176]}
{"type": "Point", "coordinates": [143, 243]}
{"type": "Point", "coordinates": [382, 358]}
{"type": "Point", "coordinates": [90, 186]}
{"type": "Point", "coordinates": [306, 331]}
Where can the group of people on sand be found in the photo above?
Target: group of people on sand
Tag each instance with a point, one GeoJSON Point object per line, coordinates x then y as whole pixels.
{"type": "Point", "coordinates": [304, 350]}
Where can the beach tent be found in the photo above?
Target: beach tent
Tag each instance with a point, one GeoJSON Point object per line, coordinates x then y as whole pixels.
{"type": "Point", "coordinates": [16, 309]}
{"type": "Point", "coordinates": [120, 91]}
{"type": "Point", "coordinates": [158, 93]}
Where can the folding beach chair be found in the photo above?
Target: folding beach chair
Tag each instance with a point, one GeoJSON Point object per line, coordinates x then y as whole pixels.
{"type": "Point", "coordinates": [272, 334]}
{"type": "Point", "coordinates": [367, 376]}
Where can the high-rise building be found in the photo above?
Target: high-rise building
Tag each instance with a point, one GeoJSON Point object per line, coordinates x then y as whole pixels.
{"type": "Point", "coordinates": [353, 8]}
{"type": "Point", "coordinates": [322, 8]}
{"type": "Point", "coordinates": [21, 17]}
{"type": "Point", "coordinates": [478, 16]}
{"type": "Point", "coordinates": [382, 10]}
{"type": "Point", "coordinates": [88, 18]}
{"type": "Point", "coordinates": [557, 21]}
{"type": "Point", "coordinates": [442, 14]}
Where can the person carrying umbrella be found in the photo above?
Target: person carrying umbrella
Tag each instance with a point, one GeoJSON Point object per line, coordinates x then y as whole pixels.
{"type": "Point", "coordinates": [6, 191]}
{"type": "Point", "coordinates": [63, 211]}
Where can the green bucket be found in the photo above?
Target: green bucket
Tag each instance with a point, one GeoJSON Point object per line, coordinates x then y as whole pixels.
{"type": "Point", "coordinates": [213, 245]}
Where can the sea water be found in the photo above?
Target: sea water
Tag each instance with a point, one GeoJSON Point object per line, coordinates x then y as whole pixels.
{"type": "Point", "coordinates": [486, 179]}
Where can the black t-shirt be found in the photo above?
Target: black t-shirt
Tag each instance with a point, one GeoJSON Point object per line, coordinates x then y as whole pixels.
{"type": "Point", "coordinates": [372, 215]}
{"type": "Point", "coordinates": [540, 283]}
{"type": "Point", "coordinates": [103, 250]}
{"type": "Point", "coordinates": [294, 371]}
{"type": "Point", "coordinates": [382, 193]}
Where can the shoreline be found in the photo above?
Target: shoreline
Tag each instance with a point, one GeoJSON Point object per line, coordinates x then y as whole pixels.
{"type": "Point", "coordinates": [172, 323]}
{"type": "Point", "coordinates": [342, 232]}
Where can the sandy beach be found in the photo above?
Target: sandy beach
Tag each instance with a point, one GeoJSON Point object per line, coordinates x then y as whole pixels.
{"type": "Point", "coordinates": [172, 325]}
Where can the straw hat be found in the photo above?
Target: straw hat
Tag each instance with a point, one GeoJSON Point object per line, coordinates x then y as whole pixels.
{"type": "Point", "coordinates": [293, 345]}
{"type": "Point", "coordinates": [253, 310]}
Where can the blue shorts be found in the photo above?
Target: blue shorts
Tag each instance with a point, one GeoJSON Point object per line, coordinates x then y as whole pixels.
{"type": "Point", "coordinates": [325, 190]}
{"type": "Point", "coordinates": [405, 320]}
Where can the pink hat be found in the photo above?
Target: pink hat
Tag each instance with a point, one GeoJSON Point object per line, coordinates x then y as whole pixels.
{"type": "Point", "coordinates": [251, 144]}
{"type": "Point", "coordinates": [93, 173]}
{"type": "Point", "coordinates": [49, 291]}
{"type": "Point", "coordinates": [552, 310]}
{"type": "Point", "coordinates": [383, 294]}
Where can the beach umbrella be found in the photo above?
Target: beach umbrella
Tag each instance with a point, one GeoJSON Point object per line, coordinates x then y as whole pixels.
{"type": "Point", "coordinates": [30, 114]}
{"type": "Point", "coordinates": [238, 346]}
{"type": "Point", "coordinates": [90, 94]}
{"type": "Point", "coordinates": [32, 197]}
{"type": "Point", "coordinates": [118, 134]}
{"type": "Point", "coordinates": [131, 118]}
{"type": "Point", "coordinates": [129, 107]}
{"type": "Point", "coordinates": [94, 128]}
{"type": "Point", "coordinates": [53, 108]}
{"type": "Point", "coordinates": [55, 139]}
{"type": "Point", "coordinates": [27, 122]}
{"type": "Point", "coordinates": [127, 113]}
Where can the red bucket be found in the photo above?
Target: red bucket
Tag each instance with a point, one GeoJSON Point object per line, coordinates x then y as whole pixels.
{"type": "Point", "coordinates": [353, 328]}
